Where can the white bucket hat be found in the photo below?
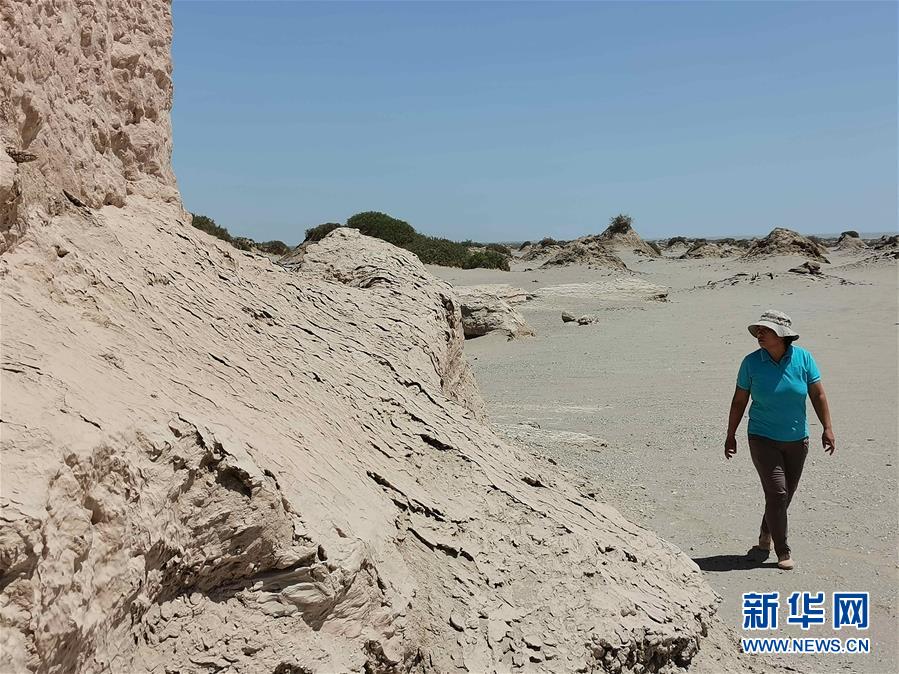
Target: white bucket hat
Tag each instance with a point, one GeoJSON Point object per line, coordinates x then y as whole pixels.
{"type": "Point", "coordinates": [777, 321]}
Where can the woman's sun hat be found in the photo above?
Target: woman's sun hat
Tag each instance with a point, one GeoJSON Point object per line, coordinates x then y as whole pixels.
{"type": "Point", "coordinates": [777, 321]}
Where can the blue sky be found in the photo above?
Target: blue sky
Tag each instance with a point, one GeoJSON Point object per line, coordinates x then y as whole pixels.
{"type": "Point", "coordinates": [512, 121]}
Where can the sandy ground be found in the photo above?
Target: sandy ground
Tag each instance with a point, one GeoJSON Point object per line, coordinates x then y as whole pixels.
{"type": "Point", "coordinates": [635, 407]}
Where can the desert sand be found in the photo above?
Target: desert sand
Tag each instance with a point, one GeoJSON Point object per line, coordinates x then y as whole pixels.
{"type": "Point", "coordinates": [635, 405]}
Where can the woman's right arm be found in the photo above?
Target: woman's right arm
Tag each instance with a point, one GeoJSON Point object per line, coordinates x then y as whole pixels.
{"type": "Point", "coordinates": [737, 408]}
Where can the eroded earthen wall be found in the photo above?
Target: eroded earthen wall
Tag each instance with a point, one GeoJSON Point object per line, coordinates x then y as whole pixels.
{"type": "Point", "coordinates": [85, 96]}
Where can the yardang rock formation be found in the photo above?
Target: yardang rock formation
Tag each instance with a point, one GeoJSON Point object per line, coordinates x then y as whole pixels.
{"type": "Point", "coordinates": [211, 462]}
{"type": "Point", "coordinates": [781, 241]}
{"type": "Point", "coordinates": [621, 234]}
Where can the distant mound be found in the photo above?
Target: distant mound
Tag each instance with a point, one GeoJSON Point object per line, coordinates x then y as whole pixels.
{"type": "Point", "coordinates": [887, 243]}
{"type": "Point", "coordinates": [589, 250]}
{"type": "Point", "coordinates": [621, 234]}
{"type": "Point", "coordinates": [542, 248]}
{"type": "Point", "coordinates": [850, 241]}
{"type": "Point", "coordinates": [706, 249]}
{"type": "Point", "coordinates": [782, 241]}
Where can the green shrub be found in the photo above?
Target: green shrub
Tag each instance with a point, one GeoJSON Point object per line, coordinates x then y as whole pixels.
{"type": "Point", "coordinates": [429, 249]}
{"type": "Point", "coordinates": [620, 224]}
{"type": "Point", "coordinates": [242, 243]}
{"type": "Point", "coordinates": [208, 225]}
{"type": "Point", "coordinates": [488, 259]}
{"type": "Point", "coordinates": [319, 232]}
{"type": "Point", "coordinates": [548, 241]}
{"type": "Point", "coordinates": [434, 250]}
{"type": "Point", "coordinates": [382, 226]}
{"type": "Point", "coordinates": [274, 247]}
{"type": "Point", "coordinates": [499, 248]}
{"type": "Point", "coordinates": [524, 245]}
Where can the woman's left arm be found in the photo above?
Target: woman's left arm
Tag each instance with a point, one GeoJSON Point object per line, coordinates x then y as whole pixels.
{"type": "Point", "coordinates": [822, 409]}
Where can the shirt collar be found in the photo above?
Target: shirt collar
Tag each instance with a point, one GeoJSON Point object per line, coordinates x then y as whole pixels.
{"type": "Point", "coordinates": [788, 354]}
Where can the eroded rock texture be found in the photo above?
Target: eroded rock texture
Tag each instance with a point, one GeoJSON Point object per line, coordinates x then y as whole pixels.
{"type": "Point", "coordinates": [211, 459]}
{"type": "Point", "coordinates": [623, 235]}
{"type": "Point", "coordinates": [85, 95]}
{"type": "Point", "coordinates": [487, 309]}
{"type": "Point", "coordinates": [782, 241]}
{"type": "Point", "coordinates": [589, 250]}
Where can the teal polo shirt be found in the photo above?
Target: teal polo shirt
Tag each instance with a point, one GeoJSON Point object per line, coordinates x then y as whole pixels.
{"type": "Point", "coordinates": [778, 392]}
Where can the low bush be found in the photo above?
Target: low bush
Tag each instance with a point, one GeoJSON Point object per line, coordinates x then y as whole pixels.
{"type": "Point", "coordinates": [319, 232]}
{"type": "Point", "coordinates": [499, 248]}
{"type": "Point", "coordinates": [434, 250]}
{"type": "Point", "coordinates": [382, 226]}
{"type": "Point", "coordinates": [620, 224]}
{"type": "Point", "coordinates": [208, 225]}
{"type": "Point", "coordinates": [524, 245]}
{"type": "Point", "coordinates": [242, 243]}
{"type": "Point", "coordinates": [274, 247]}
{"type": "Point", "coordinates": [429, 249]}
{"type": "Point", "coordinates": [548, 241]}
{"type": "Point", "coordinates": [488, 259]}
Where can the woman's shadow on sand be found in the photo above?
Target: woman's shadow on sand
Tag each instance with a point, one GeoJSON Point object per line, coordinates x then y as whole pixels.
{"type": "Point", "coordinates": [754, 559]}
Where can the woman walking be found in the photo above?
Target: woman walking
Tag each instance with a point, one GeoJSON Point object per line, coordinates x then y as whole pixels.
{"type": "Point", "coordinates": [778, 377]}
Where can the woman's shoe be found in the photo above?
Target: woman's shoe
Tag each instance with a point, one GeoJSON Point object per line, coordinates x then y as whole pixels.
{"type": "Point", "coordinates": [758, 554]}
{"type": "Point", "coordinates": [785, 562]}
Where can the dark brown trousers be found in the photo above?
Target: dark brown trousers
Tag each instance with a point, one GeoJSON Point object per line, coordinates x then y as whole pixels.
{"type": "Point", "coordinates": [779, 465]}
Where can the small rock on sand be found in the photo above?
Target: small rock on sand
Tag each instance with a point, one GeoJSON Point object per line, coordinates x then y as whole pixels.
{"type": "Point", "coordinates": [808, 267]}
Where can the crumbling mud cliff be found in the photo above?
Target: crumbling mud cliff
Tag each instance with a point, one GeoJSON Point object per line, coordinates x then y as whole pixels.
{"type": "Point", "coordinates": [210, 459]}
{"type": "Point", "coordinates": [85, 95]}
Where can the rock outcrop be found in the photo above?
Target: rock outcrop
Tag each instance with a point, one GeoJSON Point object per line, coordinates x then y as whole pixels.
{"type": "Point", "coordinates": [783, 241]}
{"type": "Point", "coordinates": [484, 314]}
{"type": "Point", "coordinates": [212, 462]}
{"type": "Point", "coordinates": [589, 251]}
{"type": "Point", "coordinates": [508, 293]}
{"type": "Point", "coordinates": [887, 243]}
{"type": "Point", "coordinates": [612, 289]}
{"type": "Point", "coordinates": [541, 249]}
{"type": "Point", "coordinates": [808, 267]}
{"type": "Point", "coordinates": [621, 235]}
{"type": "Point", "coordinates": [487, 309]}
{"type": "Point", "coordinates": [85, 94]}
{"type": "Point", "coordinates": [850, 241]}
{"type": "Point", "coordinates": [203, 441]}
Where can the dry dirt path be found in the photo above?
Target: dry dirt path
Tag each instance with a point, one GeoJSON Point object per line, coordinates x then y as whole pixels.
{"type": "Point", "coordinates": [654, 381]}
